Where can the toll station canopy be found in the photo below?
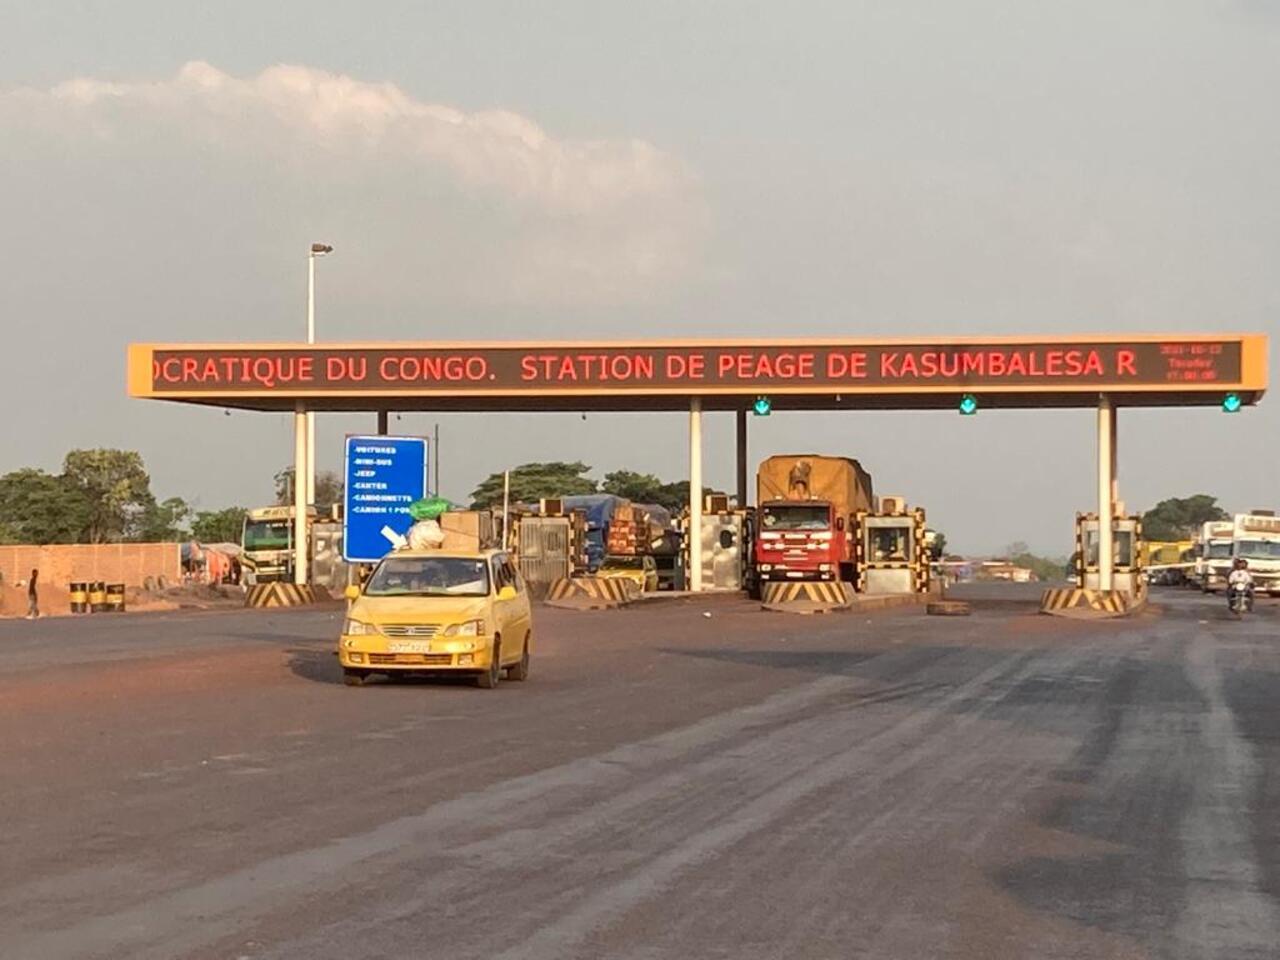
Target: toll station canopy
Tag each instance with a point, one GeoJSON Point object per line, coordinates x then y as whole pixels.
{"type": "Point", "coordinates": [801, 374]}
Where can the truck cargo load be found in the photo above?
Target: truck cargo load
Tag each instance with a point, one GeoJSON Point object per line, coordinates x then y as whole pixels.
{"type": "Point", "coordinates": [840, 481]}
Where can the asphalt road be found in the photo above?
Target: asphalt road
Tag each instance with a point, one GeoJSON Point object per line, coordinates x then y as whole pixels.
{"type": "Point", "coordinates": [667, 785]}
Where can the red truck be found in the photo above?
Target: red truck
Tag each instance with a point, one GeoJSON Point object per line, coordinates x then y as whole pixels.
{"type": "Point", "coordinates": [805, 509]}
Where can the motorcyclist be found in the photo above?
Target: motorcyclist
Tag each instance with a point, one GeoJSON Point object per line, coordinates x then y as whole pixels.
{"type": "Point", "coordinates": [1240, 575]}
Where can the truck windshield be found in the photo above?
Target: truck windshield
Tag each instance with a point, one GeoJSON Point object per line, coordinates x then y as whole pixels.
{"type": "Point", "coordinates": [1258, 549]}
{"type": "Point", "coordinates": [1219, 551]}
{"type": "Point", "coordinates": [266, 535]}
{"type": "Point", "coordinates": [795, 517]}
{"type": "Point", "coordinates": [429, 577]}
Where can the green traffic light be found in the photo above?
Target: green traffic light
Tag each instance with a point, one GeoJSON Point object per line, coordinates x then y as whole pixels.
{"type": "Point", "coordinates": [762, 406]}
{"type": "Point", "coordinates": [968, 405]}
{"type": "Point", "coordinates": [1232, 403]}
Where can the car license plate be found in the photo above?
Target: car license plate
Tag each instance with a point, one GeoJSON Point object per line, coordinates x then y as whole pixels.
{"type": "Point", "coordinates": [410, 646]}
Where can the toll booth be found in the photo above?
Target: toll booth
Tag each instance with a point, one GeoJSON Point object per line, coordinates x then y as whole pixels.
{"type": "Point", "coordinates": [1126, 544]}
{"type": "Point", "coordinates": [726, 549]}
{"type": "Point", "coordinates": [891, 552]}
{"type": "Point", "coordinates": [328, 568]}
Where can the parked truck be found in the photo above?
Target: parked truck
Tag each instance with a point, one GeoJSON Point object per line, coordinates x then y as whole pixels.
{"type": "Point", "coordinates": [806, 508]}
{"type": "Point", "coordinates": [1256, 538]}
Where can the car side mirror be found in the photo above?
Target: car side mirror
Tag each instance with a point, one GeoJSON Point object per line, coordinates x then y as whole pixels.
{"type": "Point", "coordinates": [507, 593]}
{"type": "Point", "coordinates": [352, 592]}
{"type": "Point", "coordinates": [839, 523]}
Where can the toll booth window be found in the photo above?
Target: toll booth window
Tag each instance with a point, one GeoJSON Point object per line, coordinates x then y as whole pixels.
{"type": "Point", "coordinates": [1121, 548]}
{"type": "Point", "coordinates": [1091, 549]}
{"type": "Point", "coordinates": [429, 577]}
{"type": "Point", "coordinates": [889, 544]}
{"type": "Point", "coordinates": [1123, 544]}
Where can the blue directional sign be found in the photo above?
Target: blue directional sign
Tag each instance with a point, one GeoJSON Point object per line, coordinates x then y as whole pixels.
{"type": "Point", "coordinates": [384, 475]}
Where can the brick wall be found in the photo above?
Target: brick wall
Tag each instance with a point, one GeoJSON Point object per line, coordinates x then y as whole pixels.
{"type": "Point", "coordinates": [127, 563]}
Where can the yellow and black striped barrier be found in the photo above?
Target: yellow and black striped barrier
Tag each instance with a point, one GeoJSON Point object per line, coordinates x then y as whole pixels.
{"type": "Point", "coordinates": [805, 596]}
{"type": "Point", "coordinates": [592, 592]}
{"type": "Point", "coordinates": [280, 594]}
{"type": "Point", "coordinates": [79, 597]}
{"type": "Point", "coordinates": [1085, 603]}
{"type": "Point", "coordinates": [115, 598]}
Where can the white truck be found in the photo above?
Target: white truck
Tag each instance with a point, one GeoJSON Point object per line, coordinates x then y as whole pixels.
{"type": "Point", "coordinates": [1214, 549]}
{"type": "Point", "coordinates": [1256, 538]}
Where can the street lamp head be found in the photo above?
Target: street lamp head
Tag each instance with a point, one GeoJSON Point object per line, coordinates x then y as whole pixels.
{"type": "Point", "coordinates": [320, 249]}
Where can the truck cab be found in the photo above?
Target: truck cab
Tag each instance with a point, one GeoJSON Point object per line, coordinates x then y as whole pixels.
{"type": "Point", "coordinates": [802, 540]}
{"type": "Point", "coordinates": [1215, 552]}
{"type": "Point", "coordinates": [266, 543]}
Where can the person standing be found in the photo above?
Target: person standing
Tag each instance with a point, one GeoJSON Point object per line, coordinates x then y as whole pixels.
{"type": "Point", "coordinates": [33, 596]}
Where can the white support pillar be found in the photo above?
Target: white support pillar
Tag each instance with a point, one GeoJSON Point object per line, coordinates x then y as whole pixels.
{"type": "Point", "coordinates": [695, 494]}
{"type": "Point", "coordinates": [299, 495]}
{"type": "Point", "coordinates": [1106, 492]}
{"type": "Point", "coordinates": [1115, 461]}
{"type": "Point", "coordinates": [311, 457]}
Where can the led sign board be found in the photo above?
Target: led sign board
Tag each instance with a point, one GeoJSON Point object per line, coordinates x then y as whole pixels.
{"type": "Point", "coordinates": [749, 367]}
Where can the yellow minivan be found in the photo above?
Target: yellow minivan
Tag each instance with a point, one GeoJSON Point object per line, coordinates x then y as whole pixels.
{"type": "Point", "coordinates": [437, 611]}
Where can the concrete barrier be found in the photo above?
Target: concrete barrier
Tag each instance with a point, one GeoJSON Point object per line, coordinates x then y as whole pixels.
{"type": "Point", "coordinates": [279, 594]}
{"type": "Point", "coordinates": [591, 593]}
{"type": "Point", "coordinates": [806, 596]}
{"type": "Point", "coordinates": [1086, 604]}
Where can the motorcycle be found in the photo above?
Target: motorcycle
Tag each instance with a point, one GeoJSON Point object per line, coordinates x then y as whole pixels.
{"type": "Point", "coordinates": [1240, 600]}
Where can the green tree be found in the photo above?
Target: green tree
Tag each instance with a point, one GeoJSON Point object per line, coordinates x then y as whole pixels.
{"type": "Point", "coordinates": [1181, 518]}
{"type": "Point", "coordinates": [38, 507]}
{"type": "Point", "coordinates": [164, 522]}
{"type": "Point", "coordinates": [117, 488]}
{"type": "Point", "coordinates": [218, 526]}
{"type": "Point", "coordinates": [532, 481]}
{"type": "Point", "coordinates": [938, 549]}
{"type": "Point", "coordinates": [329, 488]}
{"type": "Point", "coordinates": [636, 487]}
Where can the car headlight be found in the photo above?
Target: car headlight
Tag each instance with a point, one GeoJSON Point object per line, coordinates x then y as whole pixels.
{"type": "Point", "coordinates": [469, 628]}
{"type": "Point", "coordinates": [358, 628]}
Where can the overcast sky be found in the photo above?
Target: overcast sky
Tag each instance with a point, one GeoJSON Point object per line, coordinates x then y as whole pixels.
{"type": "Point", "coordinates": [592, 170]}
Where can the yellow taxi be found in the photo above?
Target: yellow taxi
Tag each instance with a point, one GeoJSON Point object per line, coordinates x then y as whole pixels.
{"type": "Point", "coordinates": [437, 611]}
{"type": "Point", "coordinates": [640, 570]}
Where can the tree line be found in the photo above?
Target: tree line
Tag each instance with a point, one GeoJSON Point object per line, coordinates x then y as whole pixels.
{"type": "Point", "coordinates": [105, 496]}
{"type": "Point", "coordinates": [531, 482]}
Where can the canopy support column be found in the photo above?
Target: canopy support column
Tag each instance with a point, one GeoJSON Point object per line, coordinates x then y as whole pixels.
{"type": "Point", "coordinates": [300, 423]}
{"type": "Point", "coordinates": [695, 494]}
{"type": "Point", "coordinates": [741, 416]}
{"type": "Point", "coordinates": [1106, 492]}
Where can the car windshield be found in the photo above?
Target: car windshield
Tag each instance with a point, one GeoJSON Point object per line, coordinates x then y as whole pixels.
{"type": "Point", "coordinates": [795, 517]}
{"type": "Point", "coordinates": [1219, 551]}
{"type": "Point", "coordinates": [267, 535]}
{"type": "Point", "coordinates": [623, 563]}
{"type": "Point", "coordinates": [1259, 549]}
{"type": "Point", "coordinates": [429, 577]}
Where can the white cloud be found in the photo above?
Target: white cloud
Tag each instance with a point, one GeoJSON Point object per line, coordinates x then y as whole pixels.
{"type": "Point", "coordinates": [530, 217]}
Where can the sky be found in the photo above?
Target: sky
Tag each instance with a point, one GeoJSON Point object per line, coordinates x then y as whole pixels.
{"type": "Point", "coordinates": [597, 170]}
